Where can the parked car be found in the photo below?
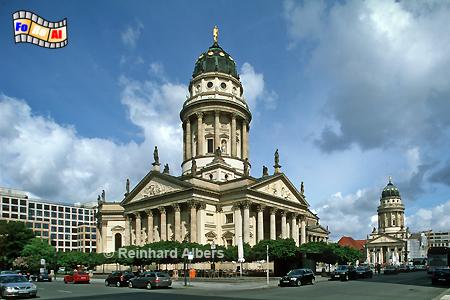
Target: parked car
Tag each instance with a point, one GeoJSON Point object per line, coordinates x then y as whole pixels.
{"type": "Point", "coordinates": [77, 277]}
{"type": "Point", "coordinates": [119, 278]}
{"type": "Point", "coordinates": [391, 269]}
{"type": "Point", "coordinates": [14, 285]}
{"type": "Point", "coordinates": [364, 272]}
{"type": "Point", "coordinates": [297, 277]}
{"type": "Point", "coordinates": [344, 272]}
{"type": "Point", "coordinates": [411, 268]}
{"type": "Point", "coordinates": [441, 276]}
{"type": "Point", "coordinates": [43, 276]}
{"type": "Point", "coordinates": [403, 268]}
{"type": "Point", "coordinates": [150, 280]}
{"type": "Point", "coordinates": [8, 273]}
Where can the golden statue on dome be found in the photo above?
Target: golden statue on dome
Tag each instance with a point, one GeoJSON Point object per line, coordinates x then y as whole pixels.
{"type": "Point", "coordinates": [216, 34]}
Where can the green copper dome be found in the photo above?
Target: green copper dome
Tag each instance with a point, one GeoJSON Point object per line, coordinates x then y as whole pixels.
{"type": "Point", "coordinates": [215, 59]}
{"type": "Point", "coordinates": [390, 190]}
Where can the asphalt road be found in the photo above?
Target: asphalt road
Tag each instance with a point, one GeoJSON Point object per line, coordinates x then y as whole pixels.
{"type": "Point", "coordinates": [402, 286]}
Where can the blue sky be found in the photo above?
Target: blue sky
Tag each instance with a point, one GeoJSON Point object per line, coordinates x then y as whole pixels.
{"type": "Point", "coordinates": [350, 92]}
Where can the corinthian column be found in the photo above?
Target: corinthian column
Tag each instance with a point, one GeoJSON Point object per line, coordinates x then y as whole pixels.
{"type": "Point", "coordinates": [216, 129]}
{"type": "Point", "coordinates": [294, 233]}
{"type": "Point", "coordinates": [138, 228]}
{"type": "Point", "coordinates": [233, 136]}
{"type": "Point", "coordinates": [163, 228]}
{"type": "Point", "coordinates": [246, 206]}
{"type": "Point", "coordinates": [303, 230]}
{"type": "Point", "coordinates": [283, 224]}
{"type": "Point", "coordinates": [127, 230]}
{"type": "Point", "coordinates": [200, 134]}
{"type": "Point", "coordinates": [149, 226]}
{"type": "Point", "coordinates": [176, 208]}
{"type": "Point", "coordinates": [273, 224]}
{"type": "Point", "coordinates": [244, 140]}
{"type": "Point", "coordinates": [200, 222]}
{"type": "Point", "coordinates": [193, 231]}
{"type": "Point", "coordinates": [260, 222]}
{"type": "Point", "coordinates": [237, 223]}
{"type": "Point", "coordinates": [188, 139]}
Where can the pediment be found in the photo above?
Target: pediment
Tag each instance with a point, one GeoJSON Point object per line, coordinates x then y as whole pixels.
{"type": "Point", "coordinates": [280, 186]}
{"type": "Point", "coordinates": [317, 229]}
{"type": "Point", "coordinates": [117, 228]}
{"type": "Point", "coordinates": [154, 184]}
{"type": "Point", "coordinates": [384, 239]}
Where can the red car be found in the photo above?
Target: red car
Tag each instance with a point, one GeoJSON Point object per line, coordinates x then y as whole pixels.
{"type": "Point", "coordinates": [77, 277]}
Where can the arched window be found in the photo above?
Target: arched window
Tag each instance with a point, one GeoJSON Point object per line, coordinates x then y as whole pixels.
{"type": "Point", "coordinates": [117, 241]}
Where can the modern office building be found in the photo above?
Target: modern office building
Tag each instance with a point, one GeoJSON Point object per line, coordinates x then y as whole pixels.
{"type": "Point", "coordinates": [438, 239]}
{"type": "Point", "coordinates": [66, 226]}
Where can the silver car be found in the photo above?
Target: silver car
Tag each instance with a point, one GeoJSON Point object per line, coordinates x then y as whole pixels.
{"type": "Point", "coordinates": [16, 286]}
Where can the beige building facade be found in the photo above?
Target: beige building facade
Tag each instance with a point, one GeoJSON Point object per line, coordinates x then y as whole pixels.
{"type": "Point", "coordinates": [214, 199]}
{"type": "Point", "coordinates": [387, 244]}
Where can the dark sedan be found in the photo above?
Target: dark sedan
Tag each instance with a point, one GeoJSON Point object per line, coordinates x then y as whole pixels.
{"type": "Point", "coordinates": [441, 276]}
{"type": "Point", "coordinates": [150, 280]}
{"type": "Point", "coordinates": [390, 270]}
{"type": "Point", "coordinates": [119, 278]}
{"type": "Point", "coordinates": [364, 272]}
{"type": "Point", "coordinates": [344, 273]}
{"type": "Point", "coordinates": [298, 277]}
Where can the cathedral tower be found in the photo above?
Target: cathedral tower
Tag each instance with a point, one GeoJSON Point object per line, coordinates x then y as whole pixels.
{"type": "Point", "coordinates": [391, 212]}
{"type": "Point", "coordinates": [215, 119]}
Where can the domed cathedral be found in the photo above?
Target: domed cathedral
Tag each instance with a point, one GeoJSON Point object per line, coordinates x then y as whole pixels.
{"type": "Point", "coordinates": [214, 199]}
{"type": "Point", "coordinates": [387, 243]}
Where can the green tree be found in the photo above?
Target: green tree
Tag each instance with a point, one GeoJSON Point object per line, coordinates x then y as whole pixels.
{"type": "Point", "coordinates": [36, 250]}
{"type": "Point", "coordinates": [281, 249]}
{"type": "Point", "coordinates": [13, 238]}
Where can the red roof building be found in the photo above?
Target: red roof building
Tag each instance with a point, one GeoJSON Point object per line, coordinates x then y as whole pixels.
{"type": "Point", "coordinates": [350, 242]}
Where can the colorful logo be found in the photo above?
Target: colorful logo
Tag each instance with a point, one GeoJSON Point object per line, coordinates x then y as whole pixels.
{"type": "Point", "coordinates": [30, 28]}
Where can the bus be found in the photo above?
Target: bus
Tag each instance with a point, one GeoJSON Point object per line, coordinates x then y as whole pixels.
{"type": "Point", "coordinates": [437, 257]}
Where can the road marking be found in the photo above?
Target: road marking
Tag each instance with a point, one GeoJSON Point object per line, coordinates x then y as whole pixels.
{"type": "Point", "coordinates": [63, 291]}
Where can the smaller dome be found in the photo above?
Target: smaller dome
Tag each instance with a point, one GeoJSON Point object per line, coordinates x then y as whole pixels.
{"type": "Point", "coordinates": [215, 59]}
{"type": "Point", "coordinates": [390, 190]}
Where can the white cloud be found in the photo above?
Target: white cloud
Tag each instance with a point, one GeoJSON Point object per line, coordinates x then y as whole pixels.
{"type": "Point", "coordinates": [131, 34]}
{"type": "Point", "coordinates": [385, 64]}
{"type": "Point", "coordinates": [254, 88]}
{"type": "Point", "coordinates": [52, 161]}
{"type": "Point", "coordinates": [350, 215]}
{"type": "Point", "coordinates": [436, 218]}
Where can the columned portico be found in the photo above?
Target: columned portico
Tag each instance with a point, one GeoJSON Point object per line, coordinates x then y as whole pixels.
{"type": "Point", "coordinates": [193, 212]}
{"type": "Point", "coordinates": [150, 229]}
{"type": "Point", "coordinates": [246, 206]}
{"type": "Point", "coordinates": [237, 223]}
{"type": "Point", "coordinates": [127, 230]}
{"type": "Point", "coordinates": [260, 210]}
{"type": "Point", "coordinates": [163, 227]}
{"type": "Point", "coordinates": [303, 230]}
{"type": "Point", "coordinates": [294, 228]}
{"type": "Point", "coordinates": [283, 224]}
{"type": "Point", "coordinates": [138, 228]}
{"type": "Point", "coordinates": [273, 224]}
{"type": "Point", "coordinates": [177, 220]}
